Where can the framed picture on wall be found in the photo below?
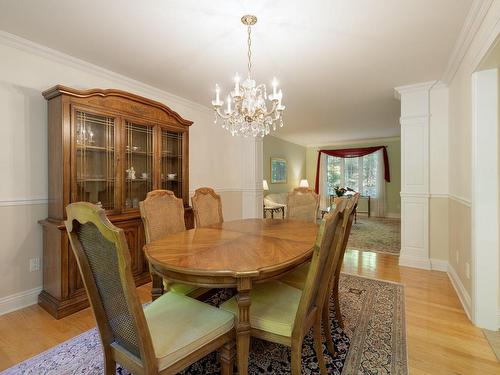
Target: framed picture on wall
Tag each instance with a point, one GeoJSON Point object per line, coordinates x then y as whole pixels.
{"type": "Point", "coordinates": [278, 171]}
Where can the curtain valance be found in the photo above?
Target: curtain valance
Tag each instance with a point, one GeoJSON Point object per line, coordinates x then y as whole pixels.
{"type": "Point", "coordinates": [354, 153]}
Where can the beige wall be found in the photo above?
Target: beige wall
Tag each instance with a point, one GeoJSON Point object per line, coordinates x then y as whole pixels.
{"type": "Point", "coordinates": [232, 165]}
{"type": "Point", "coordinates": [460, 146]}
{"type": "Point", "coordinates": [232, 206]}
{"type": "Point", "coordinates": [459, 240]}
{"type": "Point", "coordinates": [438, 228]}
{"type": "Point", "coordinates": [21, 240]}
{"type": "Point", "coordinates": [295, 156]}
{"type": "Point", "coordinates": [393, 188]}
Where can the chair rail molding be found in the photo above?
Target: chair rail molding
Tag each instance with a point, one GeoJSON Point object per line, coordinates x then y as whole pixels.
{"type": "Point", "coordinates": [415, 171]}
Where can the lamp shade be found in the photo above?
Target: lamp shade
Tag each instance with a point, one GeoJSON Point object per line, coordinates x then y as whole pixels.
{"type": "Point", "coordinates": [304, 183]}
{"type": "Point", "coordinates": [265, 186]}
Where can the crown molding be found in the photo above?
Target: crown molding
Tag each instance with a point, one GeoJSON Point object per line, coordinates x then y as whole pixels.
{"type": "Point", "coordinates": [440, 85]}
{"type": "Point", "coordinates": [473, 21]}
{"type": "Point", "coordinates": [356, 142]}
{"type": "Point", "coordinates": [421, 86]}
{"type": "Point", "coordinates": [26, 45]}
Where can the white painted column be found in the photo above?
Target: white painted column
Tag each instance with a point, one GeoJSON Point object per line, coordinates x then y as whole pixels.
{"type": "Point", "coordinates": [415, 193]}
{"type": "Point", "coordinates": [485, 200]}
{"type": "Point", "coordinates": [251, 177]}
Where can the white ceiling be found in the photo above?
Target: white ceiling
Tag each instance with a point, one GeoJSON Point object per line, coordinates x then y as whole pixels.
{"type": "Point", "coordinates": [337, 60]}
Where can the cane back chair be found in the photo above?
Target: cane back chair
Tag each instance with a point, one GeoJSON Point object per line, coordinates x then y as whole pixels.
{"type": "Point", "coordinates": [163, 338]}
{"type": "Point", "coordinates": [283, 314]}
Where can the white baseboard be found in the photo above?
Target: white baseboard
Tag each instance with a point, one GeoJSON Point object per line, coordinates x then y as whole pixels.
{"type": "Point", "coordinates": [19, 300]}
{"type": "Point", "coordinates": [415, 262]}
{"type": "Point", "coordinates": [439, 265]}
{"type": "Point", "coordinates": [393, 215]}
{"type": "Point", "coordinates": [463, 296]}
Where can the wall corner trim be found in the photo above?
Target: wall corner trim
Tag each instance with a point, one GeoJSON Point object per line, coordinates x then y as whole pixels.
{"type": "Point", "coordinates": [461, 200]}
{"type": "Point", "coordinates": [400, 90]}
{"type": "Point", "coordinates": [462, 294]}
{"type": "Point", "coordinates": [473, 21]}
{"type": "Point", "coordinates": [19, 300]}
{"type": "Point", "coordinates": [439, 265]}
{"type": "Point", "coordinates": [415, 262]}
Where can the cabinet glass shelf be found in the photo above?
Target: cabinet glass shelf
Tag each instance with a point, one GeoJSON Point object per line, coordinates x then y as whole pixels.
{"type": "Point", "coordinates": [95, 159]}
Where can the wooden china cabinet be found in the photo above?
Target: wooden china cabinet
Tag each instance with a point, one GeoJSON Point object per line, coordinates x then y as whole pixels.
{"type": "Point", "coordinates": [108, 147]}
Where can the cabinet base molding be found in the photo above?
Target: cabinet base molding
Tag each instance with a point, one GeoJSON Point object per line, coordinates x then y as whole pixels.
{"type": "Point", "coordinates": [61, 308]}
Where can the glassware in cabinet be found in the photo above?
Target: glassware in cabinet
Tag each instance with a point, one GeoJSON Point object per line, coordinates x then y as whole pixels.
{"type": "Point", "coordinates": [171, 161]}
{"type": "Point", "coordinates": [95, 159]}
{"type": "Point", "coordinates": [138, 163]}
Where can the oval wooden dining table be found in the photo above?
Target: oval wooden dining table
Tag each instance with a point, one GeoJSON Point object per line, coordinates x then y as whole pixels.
{"type": "Point", "coordinates": [233, 254]}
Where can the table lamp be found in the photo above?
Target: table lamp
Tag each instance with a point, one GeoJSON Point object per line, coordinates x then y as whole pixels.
{"type": "Point", "coordinates": [265, 186]}
{"type": "Point", "coordinates": [304, 183]}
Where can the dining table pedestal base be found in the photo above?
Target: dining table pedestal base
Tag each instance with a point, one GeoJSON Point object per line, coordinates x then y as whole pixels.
{"type": "Point", "coordinates": [243, 324]}
{"type": "Point", "coordinates": [157, 288]}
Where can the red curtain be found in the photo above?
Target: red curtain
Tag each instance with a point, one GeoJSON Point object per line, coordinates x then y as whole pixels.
{"type": "Point", "coordinates": [354, 153]}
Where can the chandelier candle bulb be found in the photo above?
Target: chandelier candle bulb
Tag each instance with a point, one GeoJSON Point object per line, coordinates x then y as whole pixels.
{"type": "Point", "coordinates": [236, 85]}
{"type": "Point", "coordinates": [228, 104]}
{"type": "Point", "coordinates": [217, 103]}
{"type": "Point", "coordinates": [275, 86]}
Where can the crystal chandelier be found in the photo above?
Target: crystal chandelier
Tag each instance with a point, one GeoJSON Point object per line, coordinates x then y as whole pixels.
{"type": "Point", "coordinates": [249, 115]}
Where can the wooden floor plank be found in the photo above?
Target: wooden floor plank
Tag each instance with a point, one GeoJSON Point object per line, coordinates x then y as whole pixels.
{"type": "Point", "coordinates": [441, 339]}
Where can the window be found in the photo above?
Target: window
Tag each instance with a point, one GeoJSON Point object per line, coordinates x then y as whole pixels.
{"type": "Point", "coordinates": [359, 174]}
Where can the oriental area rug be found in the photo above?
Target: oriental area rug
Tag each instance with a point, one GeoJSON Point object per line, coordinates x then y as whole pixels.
{"type": "Point", "coordinates": [373, 342]}
{"type": "Point", "coordinates": [381, 235]}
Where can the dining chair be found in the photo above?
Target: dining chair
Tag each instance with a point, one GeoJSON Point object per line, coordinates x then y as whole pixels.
{"type": "Point", "coordinates": [302, 204]}
{"type": "Point", "coordinates": [162, 213]}
{"type": "Point", "coordinates": [283, 314]}
{"type": "Point", "coordinates": [335, 200]}
{"type": "Point", "coordinates": [352, 204]}
{"type": "Point", "coordinates": [164, 337]}
{"type": "Point", "coordinates": [207, 207]}
{"type": "Point", "coordinates": [297, 277]}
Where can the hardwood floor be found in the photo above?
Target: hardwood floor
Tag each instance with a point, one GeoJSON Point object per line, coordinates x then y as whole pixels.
{"type": "Point", "coordinates": [441, 339]}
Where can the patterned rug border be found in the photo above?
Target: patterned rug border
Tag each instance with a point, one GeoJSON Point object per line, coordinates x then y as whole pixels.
{"type": "Point", "coordinates": [376, 234]}
{"type": "Point", "coordinates": [404, 332]}
{"type": "Point", "coordinates": [373, 251]}
{"type": "Point", "coordinates": [373, 278]}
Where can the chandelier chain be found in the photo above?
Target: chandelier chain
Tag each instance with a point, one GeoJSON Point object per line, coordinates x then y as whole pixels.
{"type": "Point", "coordinates": [249, 51]}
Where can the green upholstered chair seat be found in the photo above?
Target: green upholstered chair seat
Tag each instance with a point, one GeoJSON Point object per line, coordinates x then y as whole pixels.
{"type": "Point", "coordinates": [180, 325]}
{"type": "Point", "coordinates": [297, 277]}
{"type": "Point", "coordinates": [273, 307]}
{"type": "Point", "coordinates": [179, 288]}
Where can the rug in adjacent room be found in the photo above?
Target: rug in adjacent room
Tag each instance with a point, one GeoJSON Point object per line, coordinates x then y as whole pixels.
{"type": "Point", "coordinates": [374, 341]}
{"type": "Point", "coordinates": [381, 235]}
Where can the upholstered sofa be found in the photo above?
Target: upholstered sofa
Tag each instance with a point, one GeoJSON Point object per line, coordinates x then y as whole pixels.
{"type": "Point", "coordinates": [275, 200]}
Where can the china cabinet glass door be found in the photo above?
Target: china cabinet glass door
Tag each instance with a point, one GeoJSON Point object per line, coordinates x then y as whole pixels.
{"type": "Point", "coordinates": [171, 161]}
{"type": "Point", "coordinates": [95, 159]}
{"type": "Point", "coordinates": [138, 163]}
